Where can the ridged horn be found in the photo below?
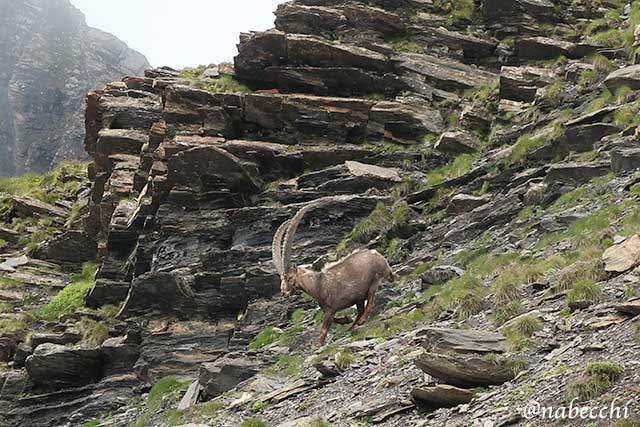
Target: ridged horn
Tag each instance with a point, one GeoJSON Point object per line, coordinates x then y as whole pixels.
{"type": "Point", "coordinates": [290, 235]}
{"type": "Point", "coordinates": [276, 247]}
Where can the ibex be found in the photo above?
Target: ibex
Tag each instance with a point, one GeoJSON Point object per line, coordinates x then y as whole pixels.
{"type": "Point", "coordinates": [353, 280]}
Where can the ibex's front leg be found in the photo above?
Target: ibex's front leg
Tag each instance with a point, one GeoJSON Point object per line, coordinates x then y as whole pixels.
{"type": "Point", "coordinates": [326, 325]}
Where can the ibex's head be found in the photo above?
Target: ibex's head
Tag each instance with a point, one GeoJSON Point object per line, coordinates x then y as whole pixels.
{"type": "Point", "coordinates": [288, 283]}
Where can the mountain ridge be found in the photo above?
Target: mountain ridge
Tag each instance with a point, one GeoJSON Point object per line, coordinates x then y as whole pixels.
{"type": "Point", "coordinates": [50, 59]}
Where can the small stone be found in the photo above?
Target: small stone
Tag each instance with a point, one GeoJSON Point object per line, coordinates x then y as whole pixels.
{"type": "Point", "coordinates": [440, 275]}
{"type": "Point", "coordinates": [442, 396]}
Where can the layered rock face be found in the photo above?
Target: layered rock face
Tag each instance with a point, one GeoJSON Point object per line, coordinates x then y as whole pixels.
{"type": "Point", "coordinates": [49, 60]}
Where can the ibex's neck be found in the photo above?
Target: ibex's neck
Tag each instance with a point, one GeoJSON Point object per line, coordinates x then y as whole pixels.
{"type": "Point", "coordinates": [311, 282]}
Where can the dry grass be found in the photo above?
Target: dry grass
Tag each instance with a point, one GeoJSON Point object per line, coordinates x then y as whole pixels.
{"type": "Point", "coordinates": [592, 269]}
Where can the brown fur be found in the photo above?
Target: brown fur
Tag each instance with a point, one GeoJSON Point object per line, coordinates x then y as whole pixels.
{"type": "Point", "coordinates": [353, 280]}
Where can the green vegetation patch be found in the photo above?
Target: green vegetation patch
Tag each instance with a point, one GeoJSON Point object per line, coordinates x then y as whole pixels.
{"type": "Point", "coordinates": [287, 366]}
{"type": "Point", "coordinates": [381, 221]}
{"type": "Point", "coordinates": [61, 182]}
{"type": "Point", "coordinates": [344, 359]}
{"type": "Point", "coordinates": [465, 295]}
{"type": "Point", "coordinates": [267, 336]}
{"type": "Point", "coordinates": [459, 11]}
{"type": "Point", "coordinates": [253, 422]}
{"type": "Point", "coordinates": [458, 167]}
{"type": "Point", "coordinates": [72, 297]}
{"type": "Point", "coordinates": [164, 388]}
{"type": "Point", "coordinates": [93, 332]}
{"type": "Point", "coordinates": [519, 333]}
{"type": "Point", "coordinates": [530, 142]}
{"type": "Point", "coordinates": [223, 84]}
{"type": "Point", "coordinates": [405, 44]}
{"type": "Point", "coordinates": [597, 379]}
{"type": "Point", "coordinates": [9, 283]}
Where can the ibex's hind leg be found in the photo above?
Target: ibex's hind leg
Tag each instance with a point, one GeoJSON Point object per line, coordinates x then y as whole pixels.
{"type": "Point", "coordinates": [326, 325]}
{"type": "Point", "coordinates": [360, 306]}
{"type": "Point", "coordinates": [371, 302]}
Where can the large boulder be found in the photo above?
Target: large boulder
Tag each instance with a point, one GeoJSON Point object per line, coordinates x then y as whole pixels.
{"type": "Point", "coordinates": [227, 372]}
{"type": "Point", "coordinates": [466, 202]}
{"type": "Point", "coordinates": [625, 159]}
{"type": "Point", "coordinates": [27, 207]}
{"type": "Point", "coordinates": [439, 275]}
{"type": "Point", "coordinates": [467, 371]}
{"type": "Point", "coordinates": [543, 48]}
{"type": "Point", "coordinates": [512, 12]}
{"type": "Point", "coordinates": [73, 246]}
{"type": "Point", "coordinates": [350, 178]}
{"type": "Point", "coordinates": [522, 83]}
{"type": "Point", "coordinates": [456, 142]}
{"type": "Point", "coordinates": [628, 76]}
{"type": "Point", "coordinates": [54, 366]}
{"type": "Point", "coordinates": [622, 257]}
{"type": "Point", "coordinates": [443, 73]}
{"type": "Point", "coordinates": [121, 353]}
{"type": "Point", "coordinates": [577, 173]}
{"type": "Point", "coordinates": [296, 18]}
{"type": "Point", "coordinates": [464, 358]}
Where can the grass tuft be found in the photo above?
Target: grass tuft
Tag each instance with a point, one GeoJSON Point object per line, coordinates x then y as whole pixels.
{"type": "Point", "coordinates": [70, 298]}
{"type": "Point", "coordinates": [267, 336]}
{"type": "Point", "coordinates": [92, 332]}
{"type": "Point", "coordinates": [253, 422]}
{"type": "Point", "coordinates": [597, 378]}
{"type": "Point", "coordinates": [584, 290]}
{"type": "Point", "coordinates": [163, 388]}
{"type": "Point", "coordinates": [344, 359]}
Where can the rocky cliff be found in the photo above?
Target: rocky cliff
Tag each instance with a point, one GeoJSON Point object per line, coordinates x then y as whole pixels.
{"type": "Point", "coordinates": [49, 60]}
{"type": "Point", "coordinates": [487, 148]}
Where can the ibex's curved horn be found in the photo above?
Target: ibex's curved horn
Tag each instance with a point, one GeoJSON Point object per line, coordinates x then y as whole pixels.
{"type": "Point", "coordinates": [290, 234]}
{"type": "Point", "coordinates": [293, 227]}
{"type": "Point", "coordinates": [276, 247]}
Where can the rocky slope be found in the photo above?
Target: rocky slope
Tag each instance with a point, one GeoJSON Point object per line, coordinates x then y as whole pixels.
{"type": "Point", "coordinates": [488, 149]}
{"type": "Point", "coordinates": [49, 60]}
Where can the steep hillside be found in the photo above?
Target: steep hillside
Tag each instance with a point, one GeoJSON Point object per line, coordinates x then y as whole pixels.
{"type": "Point", "coordinates": [49, 60]}
{"type": "Point", "coordinates": [489, 149]}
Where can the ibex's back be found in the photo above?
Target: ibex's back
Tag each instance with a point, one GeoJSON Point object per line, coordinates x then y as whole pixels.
{"type": "Point", "coordinates": [351, 279]}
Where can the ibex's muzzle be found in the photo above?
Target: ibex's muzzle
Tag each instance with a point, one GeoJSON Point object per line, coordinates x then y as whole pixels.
{"type": "Point", "coordinates": [286, 294]}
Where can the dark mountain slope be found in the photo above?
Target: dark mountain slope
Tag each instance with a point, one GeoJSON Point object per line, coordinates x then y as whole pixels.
{"type": "Point", "coordinates": [49, 60]}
